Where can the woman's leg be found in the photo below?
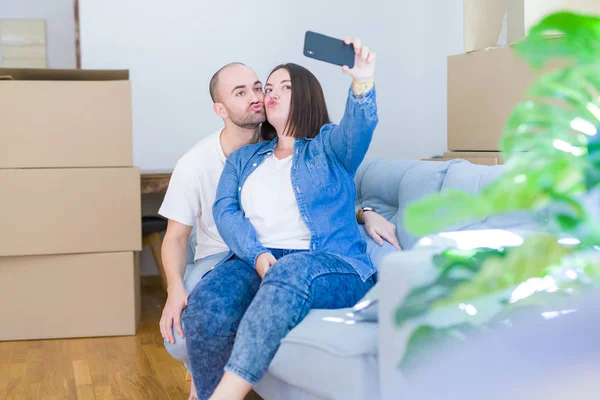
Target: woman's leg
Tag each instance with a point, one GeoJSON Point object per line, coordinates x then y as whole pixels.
{"type": "Point", "coordinates": [295, 284]}
{"type": "Point", "coordinates": [214, 310]}
{"type": "Point", "coordinates": [193, 274]}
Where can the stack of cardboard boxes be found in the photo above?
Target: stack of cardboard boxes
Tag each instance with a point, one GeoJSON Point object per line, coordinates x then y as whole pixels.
{"type": "Point", "coordinates": [70, 205]}
{"type": "Point", "coordinates": [486, 83]}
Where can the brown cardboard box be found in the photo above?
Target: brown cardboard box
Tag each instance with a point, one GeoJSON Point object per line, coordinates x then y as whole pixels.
{"type": "Point", "coordinates": [63, 296]}
{"type": "Point", "coordinates": [485, 19]}
{"type": "Point", "coordinates": [483, 89]}
{"type": "Point", "coordinates": [483, 23]}
{"type": "Point", "coordinates": [524, 14]}
{"type": "Point", "coordinates": [23, 43]}
{"type": "Point", "coordinates": [65, 211]}
{"type": "Point", "coordinates": [476, 157]}
{"type": "Point", "coordinates": [65, 118]}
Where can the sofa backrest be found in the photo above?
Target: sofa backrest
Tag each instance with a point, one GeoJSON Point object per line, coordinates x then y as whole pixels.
{"type": "Point", "coordinates": [389, 186]}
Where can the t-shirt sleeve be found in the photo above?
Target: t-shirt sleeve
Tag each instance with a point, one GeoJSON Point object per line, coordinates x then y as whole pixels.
{"type": "Point", "coordinates": [182, 200]}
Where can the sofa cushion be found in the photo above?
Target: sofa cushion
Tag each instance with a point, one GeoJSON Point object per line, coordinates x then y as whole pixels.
{"type": "Point", "coordinates": [472, 178]}
{"type": "Point", "coordinates": [330, 355]}
{"type": "Point", "coordinates": [390, 186]}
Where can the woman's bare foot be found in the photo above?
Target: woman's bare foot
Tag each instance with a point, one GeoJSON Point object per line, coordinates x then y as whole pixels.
{"type": "Point", "coordinates": [193, 393]}
{"type": "Point", "coordinates": [231, 387]}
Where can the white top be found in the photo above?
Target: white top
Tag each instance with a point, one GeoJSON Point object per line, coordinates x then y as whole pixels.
{"type": "Point", "coordinates": [269, 203]}
{"type": "Point", "coordinates": [192, 192]}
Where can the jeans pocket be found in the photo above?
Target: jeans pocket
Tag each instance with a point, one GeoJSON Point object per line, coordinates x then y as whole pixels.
{"type": "Point", "coordinates": [318, 169]}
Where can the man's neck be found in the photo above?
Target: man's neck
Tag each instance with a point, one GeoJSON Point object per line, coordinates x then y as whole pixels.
{"type": "Point", "coordinates": [234, 137]}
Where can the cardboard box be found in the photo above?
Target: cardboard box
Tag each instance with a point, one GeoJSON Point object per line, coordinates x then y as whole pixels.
{"type": "Point", "coordinates": [524, 14]}
{"type": "Point", "coordinates": [65, 118]}
{"type": "Point", "coordinates": [23, 43]}
{"type": "Point", "coordinates": [483, 21]}
{"type": "Point", "coordinates": [63, 296]}
{"type": "Point", "coordinates": [481, 158]}
{"type": "Point", "coordinates": [483, 89]}
{"type": "Point", "coordinates": [66, 211]}
{"type": "Point", "coordinates": [477, 157]}
{"type": "Point", "coordinates": [493, 23]}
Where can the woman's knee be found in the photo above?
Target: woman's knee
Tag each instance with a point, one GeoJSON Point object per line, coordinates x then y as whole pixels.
{"type": "Point", "coordinates": [303, 267]}
{"type": "Point", "coordinates": [289, 268]}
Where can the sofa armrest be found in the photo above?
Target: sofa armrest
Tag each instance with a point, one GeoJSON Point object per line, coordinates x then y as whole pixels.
{"type": "Point", "coordinates": [398, 274]}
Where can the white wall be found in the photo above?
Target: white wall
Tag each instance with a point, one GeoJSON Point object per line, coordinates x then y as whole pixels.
{"type": "Point", "coordinates": [173, 48]}
{"type": "Point", "coordinates": [60, 26]}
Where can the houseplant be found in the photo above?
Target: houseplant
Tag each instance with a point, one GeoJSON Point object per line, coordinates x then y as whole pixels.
{"type": "Point", "coordinates": [552, 150]}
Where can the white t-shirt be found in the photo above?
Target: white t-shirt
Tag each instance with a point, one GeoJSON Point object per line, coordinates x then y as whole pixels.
{"type": "Point", "coordinates": [192, 192]}
{"type": "Point", "coordinates": [269, 203]}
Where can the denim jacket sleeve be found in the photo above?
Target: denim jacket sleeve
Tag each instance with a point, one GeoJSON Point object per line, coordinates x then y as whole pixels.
{"type": "Point", "coordinates": [350, 140]}
{"type": "Point", "coordinates": [235, 229]}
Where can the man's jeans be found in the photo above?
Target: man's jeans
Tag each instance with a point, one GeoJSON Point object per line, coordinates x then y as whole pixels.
{"type": "Point", "coordinates": [192, 276]}
{"type": "Point", "coordinates": [235, 322]}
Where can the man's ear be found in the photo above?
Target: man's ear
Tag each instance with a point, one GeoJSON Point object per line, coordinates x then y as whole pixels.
{"type": "Point", "coordinates": [220, 110]}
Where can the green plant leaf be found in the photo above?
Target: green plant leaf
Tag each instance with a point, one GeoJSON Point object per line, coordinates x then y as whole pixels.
{"type": "Point", "coordinates": [426, 339]}
{"type": "Point", "coordinates": [530, 260]}
{"type": "Point", "coordinates": [438, 211]}
{"type": "Point", "coordinates": [456, 267]}
{"type": "Point", "coordinates": [579, 40]}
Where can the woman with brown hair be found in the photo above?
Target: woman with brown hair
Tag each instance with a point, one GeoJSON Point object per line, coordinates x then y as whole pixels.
{"type": "Point", "coordinates": [285, 207]}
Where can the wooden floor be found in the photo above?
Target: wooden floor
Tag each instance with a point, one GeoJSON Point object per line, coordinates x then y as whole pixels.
{"type": "Point", "coordinates": [128, 368]}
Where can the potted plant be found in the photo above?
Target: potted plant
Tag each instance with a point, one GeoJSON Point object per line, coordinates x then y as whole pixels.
{"type": "Point", "coordinates": [551, 144]}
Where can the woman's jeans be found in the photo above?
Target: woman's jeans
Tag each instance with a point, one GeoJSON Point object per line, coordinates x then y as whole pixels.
{"type": "Point", "coordinates": [234, 321]}
{"type": "Point", "coordinates": [192, 276]}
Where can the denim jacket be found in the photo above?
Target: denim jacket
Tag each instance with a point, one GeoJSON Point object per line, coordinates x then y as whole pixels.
{"type": "Point", "coordinates": [322, 175]}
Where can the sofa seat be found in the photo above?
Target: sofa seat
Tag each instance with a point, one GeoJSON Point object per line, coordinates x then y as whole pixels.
{"type": "Point", "coordinates": [329, 356]}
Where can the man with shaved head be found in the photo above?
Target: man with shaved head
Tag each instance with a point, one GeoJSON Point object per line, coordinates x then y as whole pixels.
{"type": "Point", "coordinates": [238, 99]}
{"type": "Point", "coordinates": [237, 95]}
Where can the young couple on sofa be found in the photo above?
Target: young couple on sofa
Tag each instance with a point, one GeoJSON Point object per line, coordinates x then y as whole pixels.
{"type": "Point", "coordinates": [272, 199]}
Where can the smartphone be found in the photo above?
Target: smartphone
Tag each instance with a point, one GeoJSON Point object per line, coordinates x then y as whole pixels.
{"type": "Point", "coordinates": [328, 49]}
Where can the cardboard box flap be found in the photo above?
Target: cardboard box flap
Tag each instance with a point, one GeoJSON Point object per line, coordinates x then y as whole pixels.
{"type": "Point", "coordinates": [484, 24]}
{"type": "Point", "coordinates": [24, 74]}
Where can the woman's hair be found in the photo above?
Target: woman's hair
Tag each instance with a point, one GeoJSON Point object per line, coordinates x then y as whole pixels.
{"type": "Point", "coordinates": [308, 110]}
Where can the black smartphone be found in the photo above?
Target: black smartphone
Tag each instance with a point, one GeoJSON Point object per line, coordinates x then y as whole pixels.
{"type": "Point", "coordinates": [328, 49]}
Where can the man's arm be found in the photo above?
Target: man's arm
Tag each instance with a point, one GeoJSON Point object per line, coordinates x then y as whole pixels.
{"type": "Point", "coordinates": [174, 252]}
{"type": "Point", "coordinates": [174, 258]}
{"type": "Point", "coordinates": [181, 207]}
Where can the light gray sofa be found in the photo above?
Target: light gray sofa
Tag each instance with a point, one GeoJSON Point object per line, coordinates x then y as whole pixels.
{"type": "Point", "coordinates": [328, 356]}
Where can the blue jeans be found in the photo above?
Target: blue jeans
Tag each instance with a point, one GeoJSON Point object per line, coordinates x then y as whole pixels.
{"type": "Point", "coordinates": [235, 322]}
{"type": "Point", "coordinates": [193, 274]}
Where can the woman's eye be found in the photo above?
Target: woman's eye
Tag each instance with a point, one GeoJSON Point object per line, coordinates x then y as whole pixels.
{"type": "Point", "coordinates": [268, 90]}
{"type": "Point", "coordinates": [287, 87]}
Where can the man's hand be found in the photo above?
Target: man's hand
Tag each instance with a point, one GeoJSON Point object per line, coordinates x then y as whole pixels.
{"type": "Point", "coordinates": [176, 302]}
{"type": "Point", "coordinates": [264, 263]}
{"type": "Point", "coordinates": [380, 228]}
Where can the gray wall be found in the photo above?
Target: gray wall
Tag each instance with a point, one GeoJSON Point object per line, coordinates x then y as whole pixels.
{"type": "Point", "coordinates": [173, 48]}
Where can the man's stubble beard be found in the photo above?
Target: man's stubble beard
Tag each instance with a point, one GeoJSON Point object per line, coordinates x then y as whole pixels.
{"type": "Point", "coordinates": [249, 121]}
